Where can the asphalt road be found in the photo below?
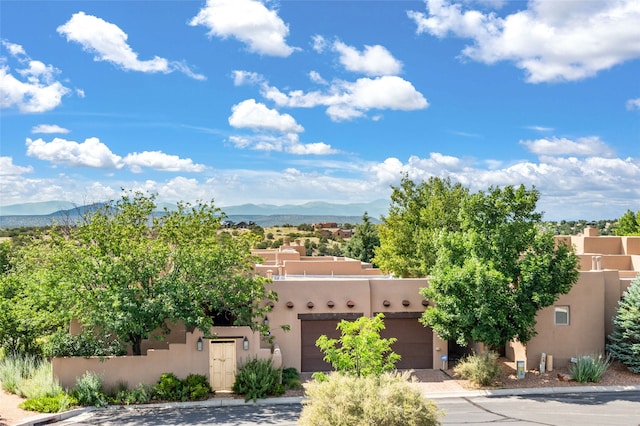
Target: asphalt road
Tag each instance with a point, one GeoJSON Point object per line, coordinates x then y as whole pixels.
{"type": "Point", "coordinates": [583, 409]}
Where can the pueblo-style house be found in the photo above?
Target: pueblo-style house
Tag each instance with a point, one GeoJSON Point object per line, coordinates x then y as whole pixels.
{"type": "Point", "coordinates": [315, 293]}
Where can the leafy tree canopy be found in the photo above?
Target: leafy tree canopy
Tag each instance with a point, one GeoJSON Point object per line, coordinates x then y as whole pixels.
{"type": "Point", "coordinates": [628, 224]}
{"type": "Point", "coordinates": [365, 239]}
{"type": "Point", "coordinates": [417, 214]}
{"type": "Point", "coordinates": [360, 351]}
{"type": "Point", "coordinates": [126, 271]}
{"type": "Point", "coordinates": [491, 266]}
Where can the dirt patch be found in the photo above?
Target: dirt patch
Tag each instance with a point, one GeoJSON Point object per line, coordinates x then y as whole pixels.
{"type": "Point", "coordinates": [10, 413]}
{"type": "Point", "coordinates": [616, 375]}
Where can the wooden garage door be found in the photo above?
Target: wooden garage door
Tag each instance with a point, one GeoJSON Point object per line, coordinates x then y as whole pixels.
{"type": "Point", "coordinates": [414, 344]}
{"type": "Point", "coordinates": [311, 355]}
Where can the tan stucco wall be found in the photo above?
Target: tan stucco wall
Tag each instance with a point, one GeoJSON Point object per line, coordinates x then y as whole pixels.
{"type": "Point", "coordinates": [585, 333]}
{"type": "Point", "coordinates": [368, 296]}
{"type": "Point", "coordinates": [181, 359]}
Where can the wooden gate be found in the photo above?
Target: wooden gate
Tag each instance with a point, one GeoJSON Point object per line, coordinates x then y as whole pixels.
{"type": "Point", "coordinates": [222, 364]}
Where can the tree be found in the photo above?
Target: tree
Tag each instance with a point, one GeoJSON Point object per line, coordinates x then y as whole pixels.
{"type": "Point", "coordinates": [127, 271]}
{"type": "Point", "coordinates": [365, 239]}
{"type": "Point", "coordinates": [625, 340]}
{"type": "Point", "coordinates": [35, 296]}
{"type": "Point", "coordinates": [417, 214]}
{"type": "Point", "coordinates": [492, 276]}
{"type": "Point", "coordinates": [628, 224]}
{"type": "Point", "coordinates": [360, 351]}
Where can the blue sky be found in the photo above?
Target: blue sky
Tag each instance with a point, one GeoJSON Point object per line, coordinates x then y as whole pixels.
{"type": "Point", "coordinates": [284, 102]}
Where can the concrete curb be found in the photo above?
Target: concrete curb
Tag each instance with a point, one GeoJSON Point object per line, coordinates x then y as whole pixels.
{"type": "Point", "coordinates": [530, 391]}
{"type": "Point", "coordinates": [228, 402]}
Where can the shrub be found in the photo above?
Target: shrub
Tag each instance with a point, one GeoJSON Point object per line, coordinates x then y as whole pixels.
{"type": "Point", "coordinates": [139, 395]}
{"type": "Point", "coordinates": [258, 379]}
{"type": "Point", "coordinates": [88, 390]}
{"type": "Point", "coordinates": [49, 404]}
{"type": "Point", "coordinates": [169, 388]}
{"type": "Point", "coordinates": [196, 387]}
{"type": "Point", "coordinates": [86, 344]}
{"type": "Point", "coordinates": [360, 350]}
{"type": "Point", "coordinates": [291, 378]}
{"type": "Point", "coordinates": [387, 399]}
{"type": "Point", "coordinates": [28, 377]}
{"type": "Point", "coordinates": [481, 369]}
{"type": "Point", "coordinates": [590, 368]}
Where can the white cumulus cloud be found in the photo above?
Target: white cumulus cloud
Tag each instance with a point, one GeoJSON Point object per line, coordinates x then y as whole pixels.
{"type": "Point", "coordinates": [582, 147]}
{"type": "Point", "coordinates": [348, 100]}
{"type": "Point", "coordinates": [48, 128]}
{"type": "Point", "coordinates": [90, 153]}
{"type": "Point", "coordinates": [33, 87]}
{"type": "Point", "coordinates": [254, 115]}
{"type": "Point", "coordinates": [249, 21]}
{"type": "Point", "coordinates": [7, 168]}
{"type": "Point", "coordinates": [158, 160]}
{"type": "Point", "coordinates": [372, 61]}
{"type": "Point", "coordinates": [109, 43]}
{"type": "Point", "coordinates": [550, 40]}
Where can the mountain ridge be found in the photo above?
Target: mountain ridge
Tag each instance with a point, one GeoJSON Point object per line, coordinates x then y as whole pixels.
{"type": "Point", "coordinates": [261, 214]}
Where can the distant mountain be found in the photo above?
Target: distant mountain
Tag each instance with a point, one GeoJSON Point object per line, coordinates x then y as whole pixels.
{"type": "Point", "coordinates": [43, 208]}
{"type": "Point", "coordinates": [262, 214]}
{"type": "Point", "coordinates": [374, 209]}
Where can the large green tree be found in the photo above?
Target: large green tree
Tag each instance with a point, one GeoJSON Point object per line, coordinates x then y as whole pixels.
{"type": "Point", "coordinates": [127, 270]}
{"type": "Point", "coordinates": [363, 242]}
{"type": "Point", "coordinates": [417, 214]}
{"type": "Point", "coordinates": [625, 341]}
{"type": "Point", "coordinates": [628, 224]}
{"type": "Point", "coordinates": [497, 271]}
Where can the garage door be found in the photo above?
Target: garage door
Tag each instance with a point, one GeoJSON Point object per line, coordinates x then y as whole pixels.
{"type": "Point", "coordinates": [414, 344]}
{"type": "Point", "coordinates": [311, 355]}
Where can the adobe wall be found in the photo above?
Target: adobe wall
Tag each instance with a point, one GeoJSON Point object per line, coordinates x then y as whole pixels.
{"type": "Point", "coordinates": [585, 333]}
{"type": "Point", "coordinates": [368, 296]}
{"type": "Point", "coordinates": [319, 292]}
{"type": "Point", "coordinates": [631, 245]}
{"type": "Point", "coordinates": [602, 245]}
{"type": "Point", "coordinates": [181, 359]}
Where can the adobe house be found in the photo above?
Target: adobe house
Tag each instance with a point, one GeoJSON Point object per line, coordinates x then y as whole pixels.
{"type": "Point", "coordinates": [579, 322]}
{"type": "Point", "coordinates": [315, 293]}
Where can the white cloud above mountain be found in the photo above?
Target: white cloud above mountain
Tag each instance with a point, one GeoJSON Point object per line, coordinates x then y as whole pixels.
{"type": "Point", "coordinates": [92, 153]}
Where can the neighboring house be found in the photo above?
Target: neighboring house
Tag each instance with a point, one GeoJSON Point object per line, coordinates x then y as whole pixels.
{"type": "Point", "coordinates": [315, 293]}
{"type": "Point", "coordinates": [325, 225]}
{"type": "Point", "coordinates": [580, 321]}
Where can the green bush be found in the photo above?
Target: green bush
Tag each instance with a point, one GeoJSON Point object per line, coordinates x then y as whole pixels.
{"type": "Point", "coordinates": [590, 368]}
{"type": "Point", "coordinates": [169, 388]}
{"type": "Point", "coordinates": [196, 387]}
{"type": "Point", "coordinates": [346, 400]}
{"type": "Point", "coordinates": [481, 369]}
{"type": "Point", "coordinates": [258, 379]}
{"type": "Point", "coordinates": [49, 404]}
{"type": "Point", "coordinates": [193, 387]}
{"type": "Point", "coordinates": [63, 343]}
{"type": "Point", "coordinates": [291, 378]}
{"type": "Point", "coordinates": [88, 390]}
{"type": "Point", "coordinates": [142, 394]}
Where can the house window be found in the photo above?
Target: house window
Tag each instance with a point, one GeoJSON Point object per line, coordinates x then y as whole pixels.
{"type": "Point", "coordinates": [561, 315]}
